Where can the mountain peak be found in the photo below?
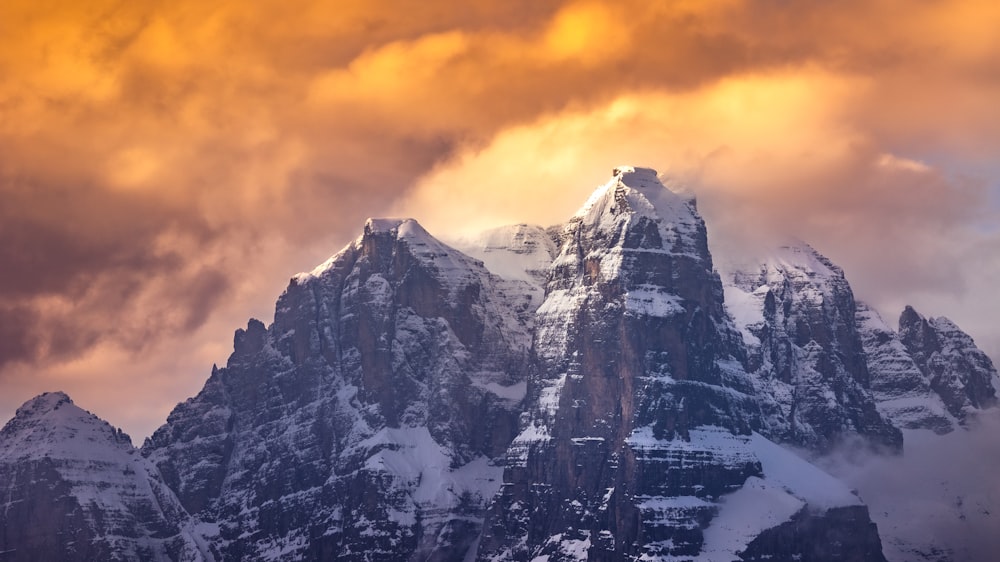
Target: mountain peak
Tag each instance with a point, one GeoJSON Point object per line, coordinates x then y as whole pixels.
{"type": "Point", "coordinates": [407, 229]}
{"type": "Point", "coordinates": [802, 256]}
{"type": "Point", "coordinates": [391, 225]}
{"type": "Point", "coordinates": [75, 489]}
{"type": "Point", "coordinates": [633, 176]}
{"type": "Point", "coordinates": [43, 404]}
{"type": "Point", "coordinates": [909, 315]}
{"type": "Point", "coordinates": [655, 217]}
{"type": "Point", "coordinates": [50, 424]}
{"type": "Point", "coordinates": [790, 257]}
{"type": "Point", "coordinates": [958, 370]}
{"type": "Point", "coordinates": [55, 407]}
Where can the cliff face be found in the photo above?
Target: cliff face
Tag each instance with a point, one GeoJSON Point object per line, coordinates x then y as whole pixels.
{"type": "Point", "coordinates": [74, 488]}
{"type": "Point", "coordinates": [797, 314]}
{"type": "Point", "coordinates": [640, 420]}
{"type": "Point", "coordinates": [364, 422]}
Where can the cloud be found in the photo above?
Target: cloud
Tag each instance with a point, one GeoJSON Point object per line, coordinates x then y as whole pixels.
{"type": "Point", "coordinates": [163, 164]}
{"type": "Point", "coordinates": [940, 495]}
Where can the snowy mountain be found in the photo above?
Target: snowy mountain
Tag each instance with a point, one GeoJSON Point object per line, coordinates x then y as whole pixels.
{"type": "Point", "coordinates": [74, 488]}
{"type": "Point", "coordinates": [796, 312]}
{"type": "Point", "coordinates": [366, 421]}
{"type": "Point", "coordinates": [828, 359]}
{"type": "Point", "coordinates": [640, 440]}
{"type": "Point", "coordinates": [931, 502]}
{"type": "Point", "coordinates": [959, 373]}
{"type": "Point", "coordinates": [593, 391]}
{"type": "Point", "coordinates": [519, 254]}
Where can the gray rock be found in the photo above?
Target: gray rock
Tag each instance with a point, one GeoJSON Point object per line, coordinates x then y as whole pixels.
{"type": "Point", "coordinates": [639, 423]}
{"type": "Point", "coordinates": [375, 418]}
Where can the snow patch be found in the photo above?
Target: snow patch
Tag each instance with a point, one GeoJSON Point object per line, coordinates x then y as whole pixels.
{"type": "Point", "coordinates": [743, 515]}
{"type": "Point", "coordinates": [648, 300]}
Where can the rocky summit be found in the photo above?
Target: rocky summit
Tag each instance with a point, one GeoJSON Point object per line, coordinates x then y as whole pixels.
{"type": "Point", "coordinates": [592, 391]}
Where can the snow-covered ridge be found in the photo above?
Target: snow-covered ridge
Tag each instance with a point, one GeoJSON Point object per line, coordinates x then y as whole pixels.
{"type": "Point", "coordinates": [747, 280]}
{"type": "Point", "coordinates": [959, 372]}
{"type": "Point", "coordinates": [520, 255]}
{"type": "Point", "coordinates": [522, 251]}
{"type": "Point", "coordinates": [796, 312]}
{"type": "Point", "coordinates": [401, 228]}
{"type": "Point", "coordinates": [452, 268]}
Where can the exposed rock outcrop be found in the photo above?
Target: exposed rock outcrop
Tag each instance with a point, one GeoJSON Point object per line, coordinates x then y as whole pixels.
{"type": "Point", "coordinates": [902, 391]}
{"type": "Point", "coordinates": [375, 418]}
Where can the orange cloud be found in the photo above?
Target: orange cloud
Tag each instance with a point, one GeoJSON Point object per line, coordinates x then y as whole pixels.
{"type": "Point", "coordinates": [154, 156]}
{"type": "Point", "coordinates": [752, 134]}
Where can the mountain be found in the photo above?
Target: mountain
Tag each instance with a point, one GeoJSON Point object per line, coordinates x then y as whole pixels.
{"type": "Point", "coordinates": [640, 439]}
{"type": "Point", "coordinates": [366, 421]}
{"type": "Point", "coordinates": [835, 369]}
{"type": "Point", "coordinates": [901, 388]}
{"type": "Point", "coordinates": [595, 390]}
{"type": "Point", "coordinates": [797, 314]}
{"type": "Point", "coordinates": [929, 379]}
{"type": "Point", "coordinates": [74, 488]}
{"type": "Point", "coordinates": [958, 371]}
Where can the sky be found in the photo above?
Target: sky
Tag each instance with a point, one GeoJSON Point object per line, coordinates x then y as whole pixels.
{"type": "Point", "coordinates": [166, 167]}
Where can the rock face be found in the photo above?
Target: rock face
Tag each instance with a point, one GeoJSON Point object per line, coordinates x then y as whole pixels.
{"type": "Point", "coordinates": [796, 312]}
{"type": "Point", "coordinates": [74, 488]}
{"type": "Point", "coordinates": [901, 389]}
{"type": "Point", "coordinates": [641, 417]}
{"type": "Point", "coordinates": [957, 371]}
{"type": "Point", "coordinates": [844, 533]}
{"type": "Point", "coordinates": [364, 423]}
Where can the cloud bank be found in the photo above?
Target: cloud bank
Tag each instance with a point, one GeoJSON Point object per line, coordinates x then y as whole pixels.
{"type": "Point", "coordinates": [165, 166]}
{"type": "Point", "coordinates": [940, 499]}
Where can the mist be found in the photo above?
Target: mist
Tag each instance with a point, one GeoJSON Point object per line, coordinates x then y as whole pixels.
{"type": "Point", "coordinates": [940, 499]}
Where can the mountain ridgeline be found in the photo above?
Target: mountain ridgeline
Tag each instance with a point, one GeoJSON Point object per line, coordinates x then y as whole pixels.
{"type": "Point", "coordinates": [596, 391]}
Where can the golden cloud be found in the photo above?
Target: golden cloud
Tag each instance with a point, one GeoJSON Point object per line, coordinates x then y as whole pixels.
{"type": "Point", "coordinates": [137, 138]}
